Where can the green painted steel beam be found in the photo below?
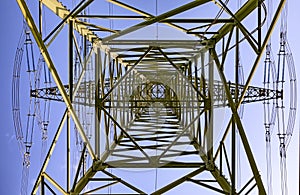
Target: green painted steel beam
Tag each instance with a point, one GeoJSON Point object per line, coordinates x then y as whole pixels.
{"type": "Point", "coordinates": [210, 165]}
{"type": "Point", "coordinates": [239, 124]}
{"type": "Point", "coordinates": [144, 14]}
{"type": "Point", "coordinates": [97, 166]}
{"type": "Point", "coordinates": [82, 28]}
{"type": "Point", "coordinates": [265, 42]}
{"type": "Point", "coordinates": [241, 14]}
{"type": "Point", "coordinates": [179, 181]}
{"type": "Point", "coordinates": [170, 165]}
{"type": "Point", "coordinates": [156, 19]}
{"type": "Point", "coordinates": [49, 154]}
{"type": "Point", "coordinates": [54, 183]}
{"type": "Point", "coordinates": [62, 12]}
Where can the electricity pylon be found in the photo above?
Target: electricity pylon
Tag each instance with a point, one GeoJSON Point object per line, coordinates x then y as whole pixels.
{"type": "Point", "coordinates": [153, 103]}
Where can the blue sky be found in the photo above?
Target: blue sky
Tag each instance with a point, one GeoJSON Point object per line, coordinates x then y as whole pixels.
{"type": "Point", "coordinates": [11, 162]}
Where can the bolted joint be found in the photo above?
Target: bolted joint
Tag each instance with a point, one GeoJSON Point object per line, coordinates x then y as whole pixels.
{"type": "Point", "coordinates": [207, 104]}
{"type": "Point", "coordinates": [279, 94]}
{"type": "Point", "coordinates": [100, 102]}
{"type": "Point", "coordinates": [209, 165]}
{"type": "Point", "coordinates": [209, 43]}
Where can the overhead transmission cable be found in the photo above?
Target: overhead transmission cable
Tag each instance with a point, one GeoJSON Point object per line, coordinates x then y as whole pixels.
{"type": "Point", "coordinates": [241, 82]}
{"type": "Point", "coordinates": [42, 75]}
{"type": "Point", "coordinates": [24, 134]}
{"type": "Point", "coordinates": [37, 113]}
{"type": "Point", "coordinates": [269, 105]}
{"type": "Point", "coordinates": [285, 124]}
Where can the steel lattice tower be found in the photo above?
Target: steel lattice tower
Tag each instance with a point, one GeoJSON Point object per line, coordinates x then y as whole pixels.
{"type": "Point", "coordinates": [147, 94]}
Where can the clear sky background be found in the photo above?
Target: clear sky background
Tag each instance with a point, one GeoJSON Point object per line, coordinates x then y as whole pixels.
{"type": "Point", "coordinates": [10, 159]}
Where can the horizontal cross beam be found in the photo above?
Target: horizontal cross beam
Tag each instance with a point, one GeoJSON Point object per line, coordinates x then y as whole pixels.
{"type": "Point", "coordinates": [253, 94]}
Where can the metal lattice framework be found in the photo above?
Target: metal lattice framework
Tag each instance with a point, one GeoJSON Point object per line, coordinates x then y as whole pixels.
{"type": "Point", "coordinates": [145, 91]}
{"type": "Point", "coordinates": [253, 94]}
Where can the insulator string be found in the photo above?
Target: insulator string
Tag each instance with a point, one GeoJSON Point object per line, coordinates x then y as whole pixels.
{"type": "Point", "coordinates": [25, 51]}
{"type": "Point", "coordinates": [241, 81]}
{"type": "Point", "coordinates": [269, 162]}
{"type": "Point", "coordinates": [285, 123]}
{"type": "Point", "coordinates": [16, 94]}
{"type": "Point", "coordinates": [270, 106]}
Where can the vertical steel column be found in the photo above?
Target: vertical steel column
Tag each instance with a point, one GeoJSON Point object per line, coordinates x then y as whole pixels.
{"type": "Point", "coordinates": [204, 93]}
{"type": "Point", "coordinates": [259, 24]}
{"type": "Point", "coordinates": [106, 119]}
{"type": "Point", "coordinates": [71, 60]}
{"type": "Point", "coordinates": [97, 110]}
{"type": "Point", "coordinates": [240, 127]}
{"type": "Point", "coordinates": [68, 152]}
{"type": "Point", "coordinates": [131, 87]}
{"type": "Point", "coordinates": [233, 138]}
{"type": "Point", "coordinates": [42, 185]}
{"type": "Point", "coordinates": [233, 159]}
{"type": "Point", "coordinates": [180, 89]}
{"type": "Point", "coordinates": [192, 103]}
{"type": "Point", "coordinates": [40, 17]}
{"type": "Point", "coordinates": [210, 134]}
{"type": "Point", "coordinates": [196, 129]}
{"type": "Point", "coordinates": [71, 97]}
